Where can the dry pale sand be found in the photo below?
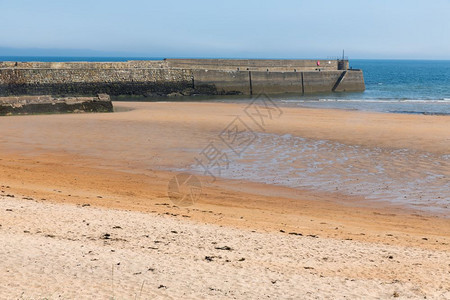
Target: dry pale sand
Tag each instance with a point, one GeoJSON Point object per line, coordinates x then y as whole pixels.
{"type": "Point", "coordinates": [120, 164]}
{"type": "Point", "coordinates": [65, 251]}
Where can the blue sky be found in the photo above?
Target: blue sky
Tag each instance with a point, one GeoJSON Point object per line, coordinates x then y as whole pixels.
{"type": "Point", "coordinates": [406, 29]}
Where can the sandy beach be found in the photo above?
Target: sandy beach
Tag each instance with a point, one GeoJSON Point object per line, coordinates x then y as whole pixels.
{"type": "Point", "coordinates": [85, 210]}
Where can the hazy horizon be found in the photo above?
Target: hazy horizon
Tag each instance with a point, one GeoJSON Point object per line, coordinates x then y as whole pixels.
{"type": "Point", "coordinates": [82, 53]}
{"type": "Point", "coordinates": [233, 29]}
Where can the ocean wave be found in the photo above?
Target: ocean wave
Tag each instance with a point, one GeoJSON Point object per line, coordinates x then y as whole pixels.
{"type": "Point", "coordinates": [427, 101]}
{"type": "Point", "coordinates": [420, 112]}
{"type": "Point", "coordinates": [443, 100]}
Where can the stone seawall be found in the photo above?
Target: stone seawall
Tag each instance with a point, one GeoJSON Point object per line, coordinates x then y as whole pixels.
{"type": "Point", "coordinates": [78, 81]}
{"type": "Point", "coordinates": [255, 82]}
{"type": "Point", "coordinates": [177, 77]}
{"type": "Point", "coordinates": [132, 64]}
{"type": "Point", "coordinates": [285, 65]}
{"type": "Point", "coordinates": [46, 104]}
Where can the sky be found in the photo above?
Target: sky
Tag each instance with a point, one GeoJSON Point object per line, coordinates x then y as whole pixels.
{"type": "Point", "coordinates": [381, 29]}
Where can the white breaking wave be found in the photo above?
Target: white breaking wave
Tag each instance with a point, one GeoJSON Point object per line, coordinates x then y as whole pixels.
{"type": "Point", "coordinates": [444, 100]}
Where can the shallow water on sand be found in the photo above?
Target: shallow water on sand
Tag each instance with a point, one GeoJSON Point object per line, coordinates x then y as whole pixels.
{"type": "Point", "coordinates": [416, 179]}
{"type": "Point", "coordinates": [167, 137]}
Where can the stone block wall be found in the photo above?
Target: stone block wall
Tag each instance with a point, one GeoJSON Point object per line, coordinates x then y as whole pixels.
{"type": "Point", "coordinates": [79, 81]}
{"type": "Point", "coordinates": [287, 65]}
{"type": "Point", "coordinates": [186, 77]}
{"type": "Point", "coordinates": [275, 82]}
{"type": "Point", "coordinates": [221, 82]}
{"type": "Point", "coordinates": [352, 81]}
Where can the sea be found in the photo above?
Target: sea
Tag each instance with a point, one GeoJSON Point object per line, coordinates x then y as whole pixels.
{"type": "Point", "coordinates": [395, 86]}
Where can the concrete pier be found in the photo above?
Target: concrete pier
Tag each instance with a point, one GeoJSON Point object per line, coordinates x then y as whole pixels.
{"type": "Point", "coordinates": [179, 77]}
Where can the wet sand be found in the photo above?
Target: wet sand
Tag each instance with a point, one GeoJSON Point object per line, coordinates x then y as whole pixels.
{"type": "Point", "coordinates": [125, 160]}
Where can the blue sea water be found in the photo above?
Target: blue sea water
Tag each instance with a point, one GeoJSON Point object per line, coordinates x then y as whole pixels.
{"type": "Point", "coordinates": [405, 79]}
{"type": "Point", "coordinates": [400, 86]}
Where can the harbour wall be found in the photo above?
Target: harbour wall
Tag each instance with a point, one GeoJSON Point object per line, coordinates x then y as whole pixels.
{"type": "Point", "coordinates": [178, 77]}
{"type": "Point", "coordinates": [279, 65]}
{"type": "Point", "coordinates": [255, 82]}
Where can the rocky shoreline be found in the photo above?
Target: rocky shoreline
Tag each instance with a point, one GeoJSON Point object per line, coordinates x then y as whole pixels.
{"type": "Point", "coordinates": [24, 105]}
